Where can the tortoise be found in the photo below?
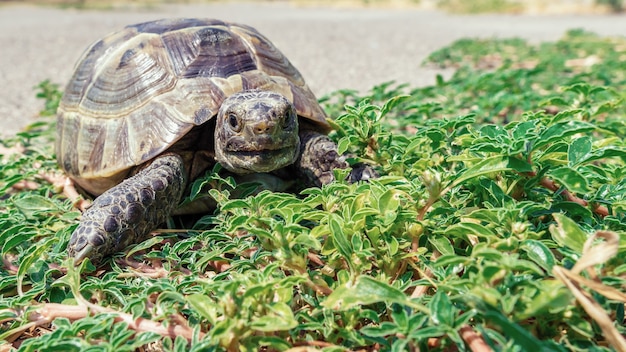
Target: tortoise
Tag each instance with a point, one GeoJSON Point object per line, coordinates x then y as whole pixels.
{"type": "Point", "coordinates": [153, 106]}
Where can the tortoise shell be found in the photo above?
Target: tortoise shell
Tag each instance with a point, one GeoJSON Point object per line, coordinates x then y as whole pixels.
{"type": "Point", "coordinates": [138, 91]}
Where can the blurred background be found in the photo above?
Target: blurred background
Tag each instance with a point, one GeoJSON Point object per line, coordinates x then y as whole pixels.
{"type": "Point", "coordinates": [336, 44]}
{"type": "Point", "coordinates": [457, 6]}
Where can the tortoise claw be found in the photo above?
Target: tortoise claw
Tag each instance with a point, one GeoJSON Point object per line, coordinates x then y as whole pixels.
{"type": "Point", "coordinates": [362, 172]}
{"type": "Point", "coordinates": [85, 252]}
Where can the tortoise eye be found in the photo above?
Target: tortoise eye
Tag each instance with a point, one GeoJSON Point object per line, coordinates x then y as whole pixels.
{"type": "Point", "coordinates": [289, 120]}
{"type": "Point", "coordinates": [233, 121]}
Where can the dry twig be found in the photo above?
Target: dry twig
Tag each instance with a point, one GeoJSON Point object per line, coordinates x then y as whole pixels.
{"type": "Point", "coordinates": [47, 312]}
{"type": "Point", "coordinates": [593, 254]}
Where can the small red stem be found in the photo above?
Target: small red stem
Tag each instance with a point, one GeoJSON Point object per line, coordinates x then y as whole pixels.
{"type": "Point", "coordinates": [474, 341]}
{"type": "Point", "coordinates": [551, 185]}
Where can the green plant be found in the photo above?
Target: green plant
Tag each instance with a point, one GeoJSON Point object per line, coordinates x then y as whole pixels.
{"type": "Point", "coordinates": [498, 215]}
{"type": "Point", "coordinates": [51, 95]}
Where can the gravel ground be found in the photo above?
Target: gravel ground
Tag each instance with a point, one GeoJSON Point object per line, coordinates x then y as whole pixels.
{"type": "Point", "coordinates": [333, 48]}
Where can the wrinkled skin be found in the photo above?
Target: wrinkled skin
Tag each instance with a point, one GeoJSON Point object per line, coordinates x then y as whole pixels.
{"type": "Point", "coordinates": [256, 132]}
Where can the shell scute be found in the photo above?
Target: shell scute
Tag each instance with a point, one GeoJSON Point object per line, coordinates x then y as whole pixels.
{"type": "Point", "coordinates": [131, 77]}
{"type": "Point", "coordinates": [268, 58]}
{"type": "Point", "coordinates": [208, 52]}
{"type": "Point", "coordinates": [84, 72]}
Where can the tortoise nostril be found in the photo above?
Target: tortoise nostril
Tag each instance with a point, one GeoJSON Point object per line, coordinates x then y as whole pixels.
{"type": "Point", "coordinates": [262, 127]}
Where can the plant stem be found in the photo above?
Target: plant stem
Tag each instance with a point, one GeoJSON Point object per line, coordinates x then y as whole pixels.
{"type": "Point", "coordinates": [551, 185]}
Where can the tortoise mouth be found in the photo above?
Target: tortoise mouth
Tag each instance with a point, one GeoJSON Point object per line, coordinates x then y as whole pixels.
{"type": "Point", "coordinates": [261, 144]}
{"type": "Point", "coordinates": [262, 160]}
{"type": "Point", "coordinates": [266, 154]}
{"type": "Point", "coordinates": [262, 152]}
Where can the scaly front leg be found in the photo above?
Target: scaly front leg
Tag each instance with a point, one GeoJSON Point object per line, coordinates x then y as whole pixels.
{"type": "Point", "coordinates": [126, 213]}
{"type": "Point", "coordinates": [319, 157]}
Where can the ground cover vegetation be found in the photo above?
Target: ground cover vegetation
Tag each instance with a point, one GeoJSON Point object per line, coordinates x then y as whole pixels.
{"type": "Point", "coordinates": [497, 224]}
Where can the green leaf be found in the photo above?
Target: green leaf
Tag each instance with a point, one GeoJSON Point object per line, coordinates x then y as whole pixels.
{"type": "Point", "coordinates": [463, 229]}
{"type": "Point", "coordinates": [384, 329]}
{"type": "Point", "coordinates": [389, 201]}
{"type": "Point", "coordinates": [204, 306]}
{"type": "Point", "coordinates": [521, 337]}
{"type": "Point", "coordinates": [442, 312]}
{"type": "Point", "coordinates": [15, 236]}
{"type": "Point", "coordinates": [399, 345]}
{"type": "Point", "coordinates": [365, 290]}
{"type": "Point", "coordinates": [491, 165]}
{"type": "Point", "coordinates": [572, 209]}
{"type": "Point", "coordinates": [391, 103]}
{"type": "Point", "coordinates": [280, 318]}
{"type": "Point", "coordinates": [524, 130]}
{"type": "Point", "coordinates": [9, 181]}
{"type": "Point", "coordinates": [343, 145]}
{"type": "Point", "coordinates": [34, 253]}
{"type": "Point", "coordinates": [442, 244]}
{"type": "Point", "coordinates": [339, 237]}
{"type": "Point", "coordinates": [607, 152]}
{"type": "Point", "coordinates": [539, 253]}
{"type": "Point", "coordinates": [146, 244]}
{"type": "Point", "coordinates": [235, 204]}
{"type": "Point", "coordinates": [400, 317]}
{"type": "Point", "coordinates": [569, 178]}
{"type": "Point", "coordinates": [552, 297]}
{"type": "Point", "coordinates": [583, 88]}
{"type": "Point", "coordinates": [32, 204]}
{"type": "Point", "coordinates": [428, 332]}
{"type": "Point", "coordinates": [450, 259]}
{"type": "Point", "coordinates": [567, 233]}
{"type": "Point", "coordinates": [560, 131]}
{"type": "Point", "coordinates": [578, 150]}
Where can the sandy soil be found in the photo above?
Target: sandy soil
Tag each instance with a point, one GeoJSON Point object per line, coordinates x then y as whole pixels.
{"type": "Point", "coordinates": [333, 48]}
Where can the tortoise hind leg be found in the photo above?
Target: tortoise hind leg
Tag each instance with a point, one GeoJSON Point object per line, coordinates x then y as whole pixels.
{"type": "Point", "coordinates": [319, 157]}
{"type": "Point", "coordinates": [126, 213]}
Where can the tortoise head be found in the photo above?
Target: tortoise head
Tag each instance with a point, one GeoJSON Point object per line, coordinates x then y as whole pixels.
{"type": "Point", "coordinates": [256, 131]}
